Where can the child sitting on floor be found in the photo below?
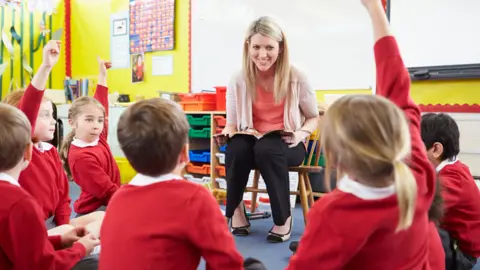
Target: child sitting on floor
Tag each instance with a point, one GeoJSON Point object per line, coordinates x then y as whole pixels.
{"type": "Point", "coordinates": [86, 154]}
{"type": "Point", "coordinates": [24, 243]}
{"type": "Point", "coordinates": [45, 178]}
{"type": "Point", "coordinates": [181, 221]}
{"type": "Point", "coordinates": [461, 197]}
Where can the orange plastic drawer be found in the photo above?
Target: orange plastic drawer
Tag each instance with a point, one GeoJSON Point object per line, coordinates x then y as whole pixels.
{"type": "Point", "coordinates": [221, 120]}
{"type": "Point", "coordinates": [198, 169]}
{"type": "Point", "coordinates": [221, 171]}
{"type": "Point", "coordinates": [198, 106]}
{"type": "Point", "coordinates": [199, 97]}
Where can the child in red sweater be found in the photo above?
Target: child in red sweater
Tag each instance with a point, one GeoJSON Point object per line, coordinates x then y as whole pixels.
{"type": "Point", "coordinates": [461, 197]}
{"type": "Point", "coordinates": [153, 134]}
{"type": "Point", "coordinates": [45, 178]}
{"type": "Point", "coordinates": [86, 154]}
{"type": "Point", "coordinates": [24, 243]}
{"type": "Point", "coordinates": [377, 217]}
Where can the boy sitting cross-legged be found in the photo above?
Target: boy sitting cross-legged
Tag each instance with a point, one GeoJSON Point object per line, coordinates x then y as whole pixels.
{"type": "Point", "coordinates": [159, 220]}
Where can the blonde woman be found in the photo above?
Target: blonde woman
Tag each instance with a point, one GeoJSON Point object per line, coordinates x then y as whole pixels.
{"type": "Point", "coordinates": [268, 94]}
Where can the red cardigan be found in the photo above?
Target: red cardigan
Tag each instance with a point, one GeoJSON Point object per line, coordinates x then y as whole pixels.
{"type": "Point", "coordinates": [186, 225]}
{"type": "Point", "coordinates": [45, 178]}
{"type": "Point", "coordinates": [94, 168]}
{"type": "Point", "coordinates": [347, 232]}
{"type": "Point", "coordinates": [24, 243]}
{"type": "Point", "coordinates": [462, 207]}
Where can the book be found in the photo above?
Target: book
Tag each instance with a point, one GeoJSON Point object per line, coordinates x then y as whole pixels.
{"type": "Point", "coordinates": [222, 139]}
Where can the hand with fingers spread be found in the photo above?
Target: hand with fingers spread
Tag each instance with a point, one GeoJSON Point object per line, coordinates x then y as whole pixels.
{"type": "Point", "coordinates": [51, 53]}
{"type": "Point", "coordinates": [72, 236]}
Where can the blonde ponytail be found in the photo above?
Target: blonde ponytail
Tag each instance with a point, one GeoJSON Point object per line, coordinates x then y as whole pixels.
{"type": "Point", "coordinates": [64, 152]}
{"type": "Point", "coordinates": [406, 188]}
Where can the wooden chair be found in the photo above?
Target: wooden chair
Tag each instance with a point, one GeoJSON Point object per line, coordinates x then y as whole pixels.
{"type": "Point", "coordinates": [304, 186]}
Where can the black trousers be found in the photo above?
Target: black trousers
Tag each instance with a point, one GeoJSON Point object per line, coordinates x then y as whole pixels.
{"type": "Point", "coordinates": [272, 157]}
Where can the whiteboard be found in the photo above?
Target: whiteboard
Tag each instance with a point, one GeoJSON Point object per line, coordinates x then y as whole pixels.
{"type": "Point", "coordinates": [437, 32]}
{"type": "Point", "coordinates": [330, 41]}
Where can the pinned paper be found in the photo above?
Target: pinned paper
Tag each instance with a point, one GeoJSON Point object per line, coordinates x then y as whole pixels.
{"type": "Point", "coordinates": [27, 67]}
{"type": "Point", "coordinates": [3, 67]}
{"type": "Point", "coordinates": [47, 6]}
{"type": "Point", "coordinates": [15, 35]}
{"type": "Point", "coordinates": [57, 35]}
{"type": "Point", "coordinates": [7, 43]}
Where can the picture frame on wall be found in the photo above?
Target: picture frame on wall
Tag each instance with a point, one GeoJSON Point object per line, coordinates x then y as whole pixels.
{"type": "Point", "coordinates": [138, 67]}
{"type": "Point", "coordinates": [120, 27]}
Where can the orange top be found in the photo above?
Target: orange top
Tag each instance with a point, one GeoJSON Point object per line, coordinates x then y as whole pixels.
{"type": "Point", "coordinates": [267, 115]}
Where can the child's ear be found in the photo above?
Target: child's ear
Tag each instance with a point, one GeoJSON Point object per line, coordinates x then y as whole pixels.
{"type": "Point", "coordinates": [27, 155]}
{"type": "Point", "coordinates": [71, 123]}
{"type": "Point", "coordinates": [184, 156]}
{"type": "Point", "coordinates": [437, 150]}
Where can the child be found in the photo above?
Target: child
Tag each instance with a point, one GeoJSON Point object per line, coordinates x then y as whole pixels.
{"type": "Point", "coordinates": [86, 154]}
{"type": "Point", "coordinates": [24, 243]}
{"type": "Point", "coordinates": [462, 200]}
{"type": "Point", "coordinates": [45, 178]}
{"type": "Point", "coordinates": [181, 221]}
{"type": "Point", "coordinates": [377, 217]}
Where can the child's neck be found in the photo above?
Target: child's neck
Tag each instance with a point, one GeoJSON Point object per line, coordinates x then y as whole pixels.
{"type": "Point", "coordinates": [14, 172]}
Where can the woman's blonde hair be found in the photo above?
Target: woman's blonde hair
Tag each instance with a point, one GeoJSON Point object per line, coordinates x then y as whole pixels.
{"type": "Point", "coordinates": [367, 138]}
{"type": "Point", "coordinates": [266, 26]}
{"type": "Point", "coordinates": [73, 113]}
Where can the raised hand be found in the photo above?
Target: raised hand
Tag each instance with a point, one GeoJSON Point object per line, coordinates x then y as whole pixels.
{"type": "Point", "coordinates": [51, 53]}
{"type": "Point", "coordinates": [103, 66]}
{"type": "Point", "coordinates": [369, 3]}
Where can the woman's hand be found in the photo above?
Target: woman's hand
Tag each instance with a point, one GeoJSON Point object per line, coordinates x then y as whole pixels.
{"type": "Point", "coordinates": [51, 53]}
{"type": "Point", "coordinates": [295, 138]}
{"type": "Point", "coordinates": [369, 3]}
{"type": "Point", "coordinates": [222, 138]}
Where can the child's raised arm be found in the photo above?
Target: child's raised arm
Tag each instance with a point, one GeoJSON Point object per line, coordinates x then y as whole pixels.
{"type": "Point", "coordinates": [31, 100]}
{"type": "Point", "coordinates": [101, 93]}
{"type": "Point", "coordinates": [393, 82]}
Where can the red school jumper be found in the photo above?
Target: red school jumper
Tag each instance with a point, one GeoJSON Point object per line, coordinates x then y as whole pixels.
{"type": "Point", "coordinates": [45, 178]}
{"type": "Point", "coordinates": [462, 206]}
{"type": "Point", "coordinates": [186, 224]}
{"type": "Point", "coordinates": [358, 233]}
{"type": "Point", "coordinates": [93, 167]}
{"type": "Point", "coordinates": [24, 244]}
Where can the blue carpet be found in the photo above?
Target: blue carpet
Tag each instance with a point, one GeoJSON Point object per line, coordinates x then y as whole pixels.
{"type": "Point", "coordinates": [274, 256]}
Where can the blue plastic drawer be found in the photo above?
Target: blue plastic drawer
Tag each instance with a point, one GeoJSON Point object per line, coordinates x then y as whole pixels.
{"type": "Point", "coordinates": [223, 148]}
{"type": "Point", "coordinates": [199, 156]}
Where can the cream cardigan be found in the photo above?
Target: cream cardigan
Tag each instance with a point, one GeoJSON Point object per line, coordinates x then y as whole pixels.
{"type": "Point", "coordinates": [300, 103]}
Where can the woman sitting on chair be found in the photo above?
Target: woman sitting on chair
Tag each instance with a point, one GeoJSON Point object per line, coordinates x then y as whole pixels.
{"type": "Point", "coordinates": [268, 94]}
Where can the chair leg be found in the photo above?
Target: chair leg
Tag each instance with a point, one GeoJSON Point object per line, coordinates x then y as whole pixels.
{"type": "Point", "coordinates": [303, 196]}
{"type": "Point", "coordinates": [253, 205]}
{"type": "Point", "coordinates": [308, 185]}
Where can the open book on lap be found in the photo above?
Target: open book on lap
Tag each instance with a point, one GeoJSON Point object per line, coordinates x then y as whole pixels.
{"type": "Point", "coordinates": [222, 139]}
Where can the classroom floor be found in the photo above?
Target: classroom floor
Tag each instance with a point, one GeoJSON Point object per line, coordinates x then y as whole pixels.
{"type": "Point", "coordinates": [274, 256]}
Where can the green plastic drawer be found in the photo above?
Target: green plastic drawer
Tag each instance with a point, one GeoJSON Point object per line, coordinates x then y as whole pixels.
{"type": "Point", "coordinates": [199, 133]}
{"type": "Point", "coordinates": [198, 120]}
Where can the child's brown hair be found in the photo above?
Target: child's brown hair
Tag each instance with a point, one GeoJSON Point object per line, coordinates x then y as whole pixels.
{"type": "Point", "coordinates": [367, 137]}
{"type": "Point", "coordinates": [75, 110]}
{"type": "Point", "coordinates": [152, 133]}
{"type": "Point", "coordinates": [15, 136]}
{"type": "Point", "coordinates": [14, 99]}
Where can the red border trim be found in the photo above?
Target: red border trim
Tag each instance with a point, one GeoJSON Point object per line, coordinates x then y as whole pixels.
{"type": "Point", "coordinates": [68, 52]}
{"type": "Point", "coordinates": [450, 108]}
{"type": "Point", "coordinates": [190, 46]}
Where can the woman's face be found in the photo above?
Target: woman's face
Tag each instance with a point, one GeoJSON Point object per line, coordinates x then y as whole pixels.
{"type": "Point", "coordinates": [263, 51]}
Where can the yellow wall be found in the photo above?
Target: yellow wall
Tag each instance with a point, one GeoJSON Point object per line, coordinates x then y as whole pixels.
{"type": "Point", "coordinates": [58, 73]}
{"type": "Point", "coordinates": [91, 37]}
{"type": "Point", "coordinates": [432, 92]}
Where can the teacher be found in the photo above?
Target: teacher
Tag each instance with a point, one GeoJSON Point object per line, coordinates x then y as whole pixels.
{"type": "Point", "coordinates": [268, 94]}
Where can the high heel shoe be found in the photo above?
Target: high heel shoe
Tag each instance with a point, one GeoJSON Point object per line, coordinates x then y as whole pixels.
{"type": "Point", "coordinates": [244, 230]}
{"type": "Point", "coordinates": [279, 238]}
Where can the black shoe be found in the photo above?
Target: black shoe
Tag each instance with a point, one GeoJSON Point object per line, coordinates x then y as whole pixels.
{"type": "Point", "coordinates": [244, 230]}
{"type": "Point", "coordinates": [293, 246]}
{"type": "Point", "coordinates": [280, 238]}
